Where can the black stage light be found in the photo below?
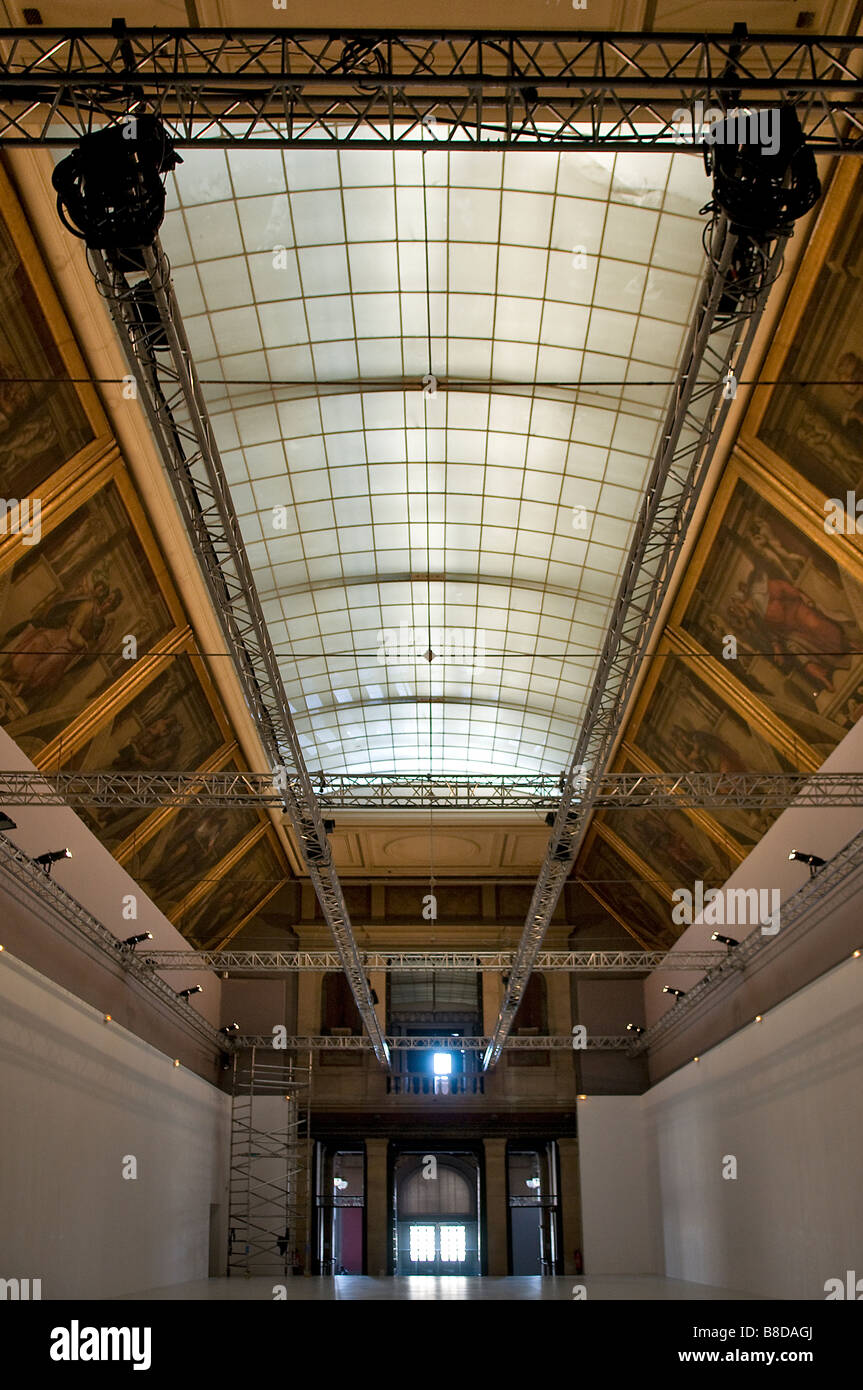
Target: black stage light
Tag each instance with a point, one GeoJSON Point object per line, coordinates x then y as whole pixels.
{"type": "Point", "coordinates": [109, 190]}
{"type": "Point", "coordinates": [230, 1028]}
{"type": "Point", "coordinates": [47, 861]}
{"type": "Point", "coordinates": [669, 989]}
{"type": "Point", "coordinates": [633, 1028]}
{"type": "Point", "coordinates": [763, 186]}
{"type": "Point", "coordinates": [724, 940]}
{"type": "Point", "coordinates": [813, 861]}
{"type": "Point", "coordinates": [193, 989]}
{"type": "Point", "coordinates": [133, 941]}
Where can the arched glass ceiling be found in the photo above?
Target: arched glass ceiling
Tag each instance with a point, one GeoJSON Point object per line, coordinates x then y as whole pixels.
{"type": "Point", "coordinates": [485, 521]}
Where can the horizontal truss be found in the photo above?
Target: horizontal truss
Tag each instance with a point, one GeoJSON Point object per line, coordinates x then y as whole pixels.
{"type": "Point", "coordinates": [280, 962]}
{"type": "Point", "coordinates": [357, 1042]}
{"type": "Point", "coordinates": [624, 791]}
{"type": "Point", "coordinates": [385, 88]}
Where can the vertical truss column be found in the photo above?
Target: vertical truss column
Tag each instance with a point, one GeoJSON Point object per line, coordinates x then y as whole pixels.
{"type": "Point", "coordinates": [268, 1225]}
{"type": "Point", "coordinates": [140, 296]}
{"type": "Point", "coordinates": [717, 347]}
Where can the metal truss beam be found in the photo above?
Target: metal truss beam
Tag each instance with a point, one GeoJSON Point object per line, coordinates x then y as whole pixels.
{"type": "Point", "coordinates": [404, 88]}
{"type": "Point", "coordinates": [283, 962]}
{"type": "Point", "coordinates": [619, 1042]}
{"type": "Point", "coordinates": [148, 321]}
{"type": "Point", "coordinates": [803, 910]}
{"type": "Point", "coordinates": [715, 353]}
{"type": "Point", "coordinates": [30, 881]}
{"type": "Point", "coordinates": [620, 791]}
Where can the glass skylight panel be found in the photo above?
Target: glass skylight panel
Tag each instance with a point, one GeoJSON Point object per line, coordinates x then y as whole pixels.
{"type": "Point", "coordinates": [462, 496]}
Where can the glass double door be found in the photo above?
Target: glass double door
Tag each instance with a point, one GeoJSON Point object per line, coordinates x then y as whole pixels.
{"type": "Point", "coordinates": [438, 1247]}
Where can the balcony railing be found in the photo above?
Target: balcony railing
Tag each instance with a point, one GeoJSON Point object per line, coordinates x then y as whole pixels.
{"type": "Point", "coordinates": [471, 1085]}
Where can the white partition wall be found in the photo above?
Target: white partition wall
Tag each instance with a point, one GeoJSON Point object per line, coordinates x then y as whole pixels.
{"type": "Point", "coordinates": [79, 1097]}
{"type": "Point", "coordinates": [619, 1207]}
{"type": "Point", "coordinates": [784, 1099]}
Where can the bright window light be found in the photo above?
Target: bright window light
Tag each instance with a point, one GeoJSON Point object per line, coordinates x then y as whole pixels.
{"type": "Point", "coordinates": [422, 1243]}
{"type": "Point", "coordinates": [442, 1064]}
{"type": "Point", "coordinates": [452, 1244]}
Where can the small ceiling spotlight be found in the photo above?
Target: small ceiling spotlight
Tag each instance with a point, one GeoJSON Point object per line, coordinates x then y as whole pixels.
{"type": "Point", "coordinates": [813, 860]}
{"type": "Point", "coordinates": [855, 955]}
{"type": "Point", "coordinates": [230, 1028]}
{"type": "Point", "coordinates": [669, 989]}
{"type": "Point", "coordinates": [634, 1028]}
{"type": "Point", "coordinates": [176, 1061]}
{"type": "Point", "coordinates": [186, 993]}
{"type": "Point", "coordinates": [6, 823]}
{"type": "Point", "coordinates": [132, 941]}
{"type": "Point", "coordinates": [47, 861]}
{"type": "Point", "coordinates": [758, 1018]}
{"type": "Point", "coordinates": [724, 940]}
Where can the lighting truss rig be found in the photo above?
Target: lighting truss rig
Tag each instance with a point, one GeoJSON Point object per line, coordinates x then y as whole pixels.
{"type": "Point", "coordinates": [751, 221]}
{"type": "Point", "coordinates": [286, 962]}
{"type": "Point", "coordinates": [378, 88]}
{"type": "Point", "coordinates": [621, 791]}
{"type": "Point", "coordinates": [110, 193]}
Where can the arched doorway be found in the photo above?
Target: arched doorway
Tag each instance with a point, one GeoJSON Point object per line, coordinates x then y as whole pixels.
{"type": "Point", "coordinates": [437, 1211]}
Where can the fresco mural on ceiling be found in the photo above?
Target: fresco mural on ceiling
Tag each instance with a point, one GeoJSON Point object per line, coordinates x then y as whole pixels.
{"type": "Point", "coordinates": [639, 907]}
{"type": "Point", "coordinates": [672, 846]}
{"type": "Point", "coordinates": [186, 853]}
{"type": "Point", "coordinates": [689, 727]}
{"type": "Point", "coordinates": [213, 920]}
{"type": "Point", "coordinates": [42, 420]}
{"type": "Point", "coordinates": [796, 614]}
{"type": "Point", "coordinates": [65, 607]}
{"type": "Point", "coordinates": [169, 726]}
{"type": "Point", "coordinates": [818, 425]}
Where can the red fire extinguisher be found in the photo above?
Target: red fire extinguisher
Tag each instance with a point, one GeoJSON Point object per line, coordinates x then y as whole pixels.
{"type": "Point", "coordinates": [579, 1263]}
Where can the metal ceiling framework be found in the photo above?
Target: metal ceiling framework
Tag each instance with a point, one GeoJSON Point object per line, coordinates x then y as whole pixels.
{"type": "Point", "coordinates": [571, 962]}
{"type": "Point", "coordinates": [362, 90]}
{"type": "Point", "coordinates": [377, 88]}
{"type": "Point", "coordinates": [612, 791]}
{"type": "Point", "coordinates": [151, 331]}
{"type": "Point", "coordinates": [615, 1042]}
{"type": "Point", "coordinates": [716, 351]}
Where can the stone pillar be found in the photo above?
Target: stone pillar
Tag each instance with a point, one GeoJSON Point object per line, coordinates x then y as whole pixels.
{"type": "Point", "coordinates": [496, 1209]}
{"type": "Point", "coordinates": [378, 1207]}
{"type": "Point", "coordinates": [570, 1203]}
{"type": "Point", "coordinates": [309, 1003]}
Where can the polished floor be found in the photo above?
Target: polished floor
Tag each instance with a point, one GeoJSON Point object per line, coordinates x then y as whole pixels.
{"type": "Point", "coordinates": [351, 1287]}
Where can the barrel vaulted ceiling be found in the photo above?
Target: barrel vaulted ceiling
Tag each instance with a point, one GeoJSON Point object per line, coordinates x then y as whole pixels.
{"type": "Point", "coordinates": [437, 380]}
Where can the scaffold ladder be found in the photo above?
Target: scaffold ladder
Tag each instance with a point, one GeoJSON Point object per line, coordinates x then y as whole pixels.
{"type": "Point", "coordinates": [268, 1229]}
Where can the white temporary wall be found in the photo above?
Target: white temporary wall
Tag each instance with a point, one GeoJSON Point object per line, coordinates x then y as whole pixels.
{"type": "Point", "coordinates": [77, 1097]}
{"type": "Point", "coordinates": [619, 1207]}
{"type": "Point", "coordinates": [784, 1099]}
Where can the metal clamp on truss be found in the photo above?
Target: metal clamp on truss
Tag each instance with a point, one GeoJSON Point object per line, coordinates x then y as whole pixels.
{"type": "Point", "coordinates": [110, 195]}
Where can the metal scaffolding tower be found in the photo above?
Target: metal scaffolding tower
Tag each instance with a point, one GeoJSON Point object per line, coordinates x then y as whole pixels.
{"type": "Point", "coordinates": [269, 1223]}
{"type": "Point", "coordinates": [385, 88]}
